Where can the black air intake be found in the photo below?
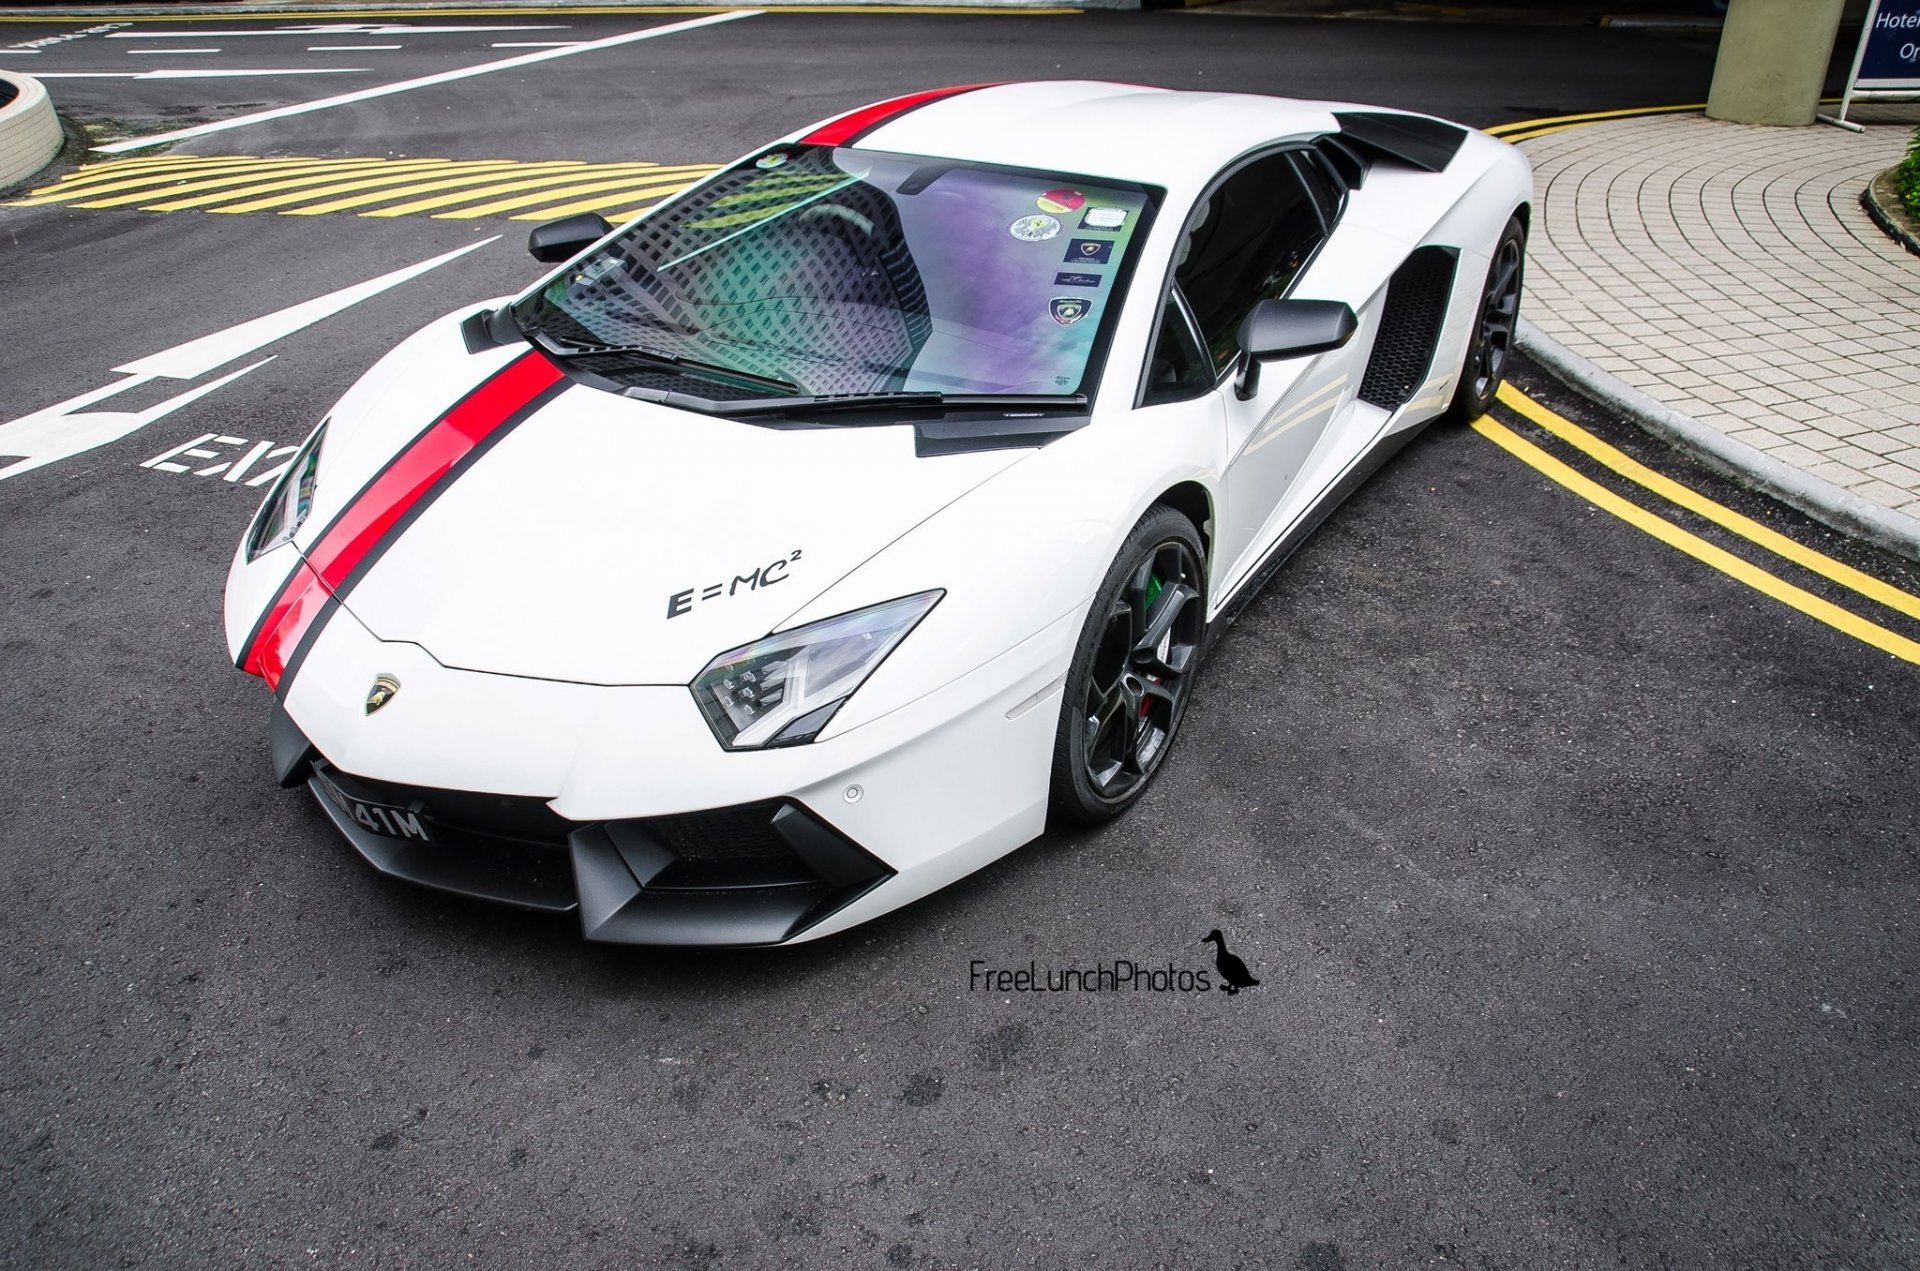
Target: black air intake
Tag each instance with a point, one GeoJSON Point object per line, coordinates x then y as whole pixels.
{"type": "Point", "coordinates": [1410, 322]}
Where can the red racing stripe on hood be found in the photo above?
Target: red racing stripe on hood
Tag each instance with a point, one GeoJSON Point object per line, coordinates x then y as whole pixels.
{"type": "Point", "coordinates": [849, 128]}
{"type": "Point", "coordinates": [409, 482]}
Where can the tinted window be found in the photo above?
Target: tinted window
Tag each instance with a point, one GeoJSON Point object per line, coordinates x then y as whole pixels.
{"type": "Point", "coordinates": [1245, 243]}
{"type": "Point", "coordinates": [1180, 367]}
{"type": "Point", "coordinates": [846, 272]}
{"type": "Point", "coordinates": [1320, 179]}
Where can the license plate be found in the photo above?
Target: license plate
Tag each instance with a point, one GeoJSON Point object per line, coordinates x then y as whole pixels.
{"type": "Point", "coordinates": [383, 819]}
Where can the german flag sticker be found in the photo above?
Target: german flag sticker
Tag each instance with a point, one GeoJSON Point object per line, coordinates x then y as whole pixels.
{"type": "Point", "coordinates": [1061, 201]}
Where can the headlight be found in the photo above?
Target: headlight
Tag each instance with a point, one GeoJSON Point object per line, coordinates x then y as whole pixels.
{"type": "Point", "coordinates": [782, 690]}
{"type": "Point", "coordinates": [286, 508]}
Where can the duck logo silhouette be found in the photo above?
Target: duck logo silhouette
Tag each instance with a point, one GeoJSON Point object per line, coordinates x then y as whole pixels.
{"type": "Point", "coordinates": [1234, 975]}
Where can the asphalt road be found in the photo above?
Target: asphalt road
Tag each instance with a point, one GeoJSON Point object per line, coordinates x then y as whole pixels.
{"type": "Point", "coordinates": [1578, 876]}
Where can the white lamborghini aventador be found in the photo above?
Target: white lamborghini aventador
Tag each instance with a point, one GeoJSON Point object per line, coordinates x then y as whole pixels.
{"type": "Point", "coordinates": [798, 548]}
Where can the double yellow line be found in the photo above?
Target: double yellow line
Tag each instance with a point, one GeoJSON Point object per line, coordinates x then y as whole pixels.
{"type": "Point", "coordinates": [1528, 129]}
{"type": "Point", "coordinates": [1768, 584]}
{"type": "Point", "coordinates": [1685, 497]}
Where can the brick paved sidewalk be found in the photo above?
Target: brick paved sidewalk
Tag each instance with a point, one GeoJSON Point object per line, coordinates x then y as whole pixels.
{"type": "Point", "coordinates": [1730, 273]}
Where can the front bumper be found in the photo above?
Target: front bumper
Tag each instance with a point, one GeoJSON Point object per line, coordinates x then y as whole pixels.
{"type": "Point", "coordinates": [614, 802]}
{"type": "Point", "coordinates": [758, 874]}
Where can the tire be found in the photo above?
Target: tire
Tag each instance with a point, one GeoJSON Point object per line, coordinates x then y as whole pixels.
{"type": "Point", "coordinates": [1484, 368]}
{"type": "Point", "coordinates": [1127, 688]}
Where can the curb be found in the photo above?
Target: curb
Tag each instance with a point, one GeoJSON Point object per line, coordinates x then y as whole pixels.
{"type": "Point", "coordinates": [30, 133]}
{"type": "Point", "coordinates": [1816, 496]}
{"type": "Point", "coordinates": [1889, 215]}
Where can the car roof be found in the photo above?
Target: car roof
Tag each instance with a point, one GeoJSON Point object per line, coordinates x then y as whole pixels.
{"type": "Point", "coordinates": [1155, 136]}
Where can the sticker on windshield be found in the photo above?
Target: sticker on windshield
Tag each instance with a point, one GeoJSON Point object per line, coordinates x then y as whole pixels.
{"type": "Point", "coordinates": [1071, 279]}
{"type": "Point", "coordinates": [1090, 251]}
{"type": "Point", "coordinates": [773, 160]}
{"type": "Point", "coordinates": [1061, 200]}
{"type": "Point", "coordinates": [1067, 310]}
{"type": "Point", "coordinates": [1034, 229]}
{"type": "Point", "coordinates": [1104, 218]}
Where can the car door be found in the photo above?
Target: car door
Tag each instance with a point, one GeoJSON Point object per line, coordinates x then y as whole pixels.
{"type": "Point", "coordinates": [1246, 241]}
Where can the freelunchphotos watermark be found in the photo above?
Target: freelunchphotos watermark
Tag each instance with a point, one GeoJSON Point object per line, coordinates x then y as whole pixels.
{"type": "Point", "coordinates": [1228, 974]}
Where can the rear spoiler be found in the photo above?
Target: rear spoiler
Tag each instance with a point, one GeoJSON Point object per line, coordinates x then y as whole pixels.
{"type": "Point", "coordinates": [1412, 141]}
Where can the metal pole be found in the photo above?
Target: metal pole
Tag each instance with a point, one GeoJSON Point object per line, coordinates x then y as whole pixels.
{"type": "Point", "coordinates": [1853, 73]}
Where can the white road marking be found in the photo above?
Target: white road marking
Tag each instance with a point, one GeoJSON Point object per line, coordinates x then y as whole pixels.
{"type": "Point", "coordinates": [191, 72]}
{"type": "Point", "coordinates": [234, 470]}
{"type": "Point", "coordinates": [196, 357]}
{"type": "Point", "coordinates": [35, 46]}
{"type": "Point", "coordinates": [534, 44]}
{"type": "Point", "coordinates": [425, 81]}
{"type": "Point", "coordinates": [50, 435]}
{"type": "Point", "coordinates": [168, 51]}
{"type": "Point", "coordinates": [67, 428]}
{"type": "Point", "coordinates": [335, 28]}
{"type": "Point", "coordinates": [351, 48]}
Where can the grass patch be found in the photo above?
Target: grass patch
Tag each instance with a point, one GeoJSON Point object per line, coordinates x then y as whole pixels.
{"type": "Point", "coordinates": [1906, 177]}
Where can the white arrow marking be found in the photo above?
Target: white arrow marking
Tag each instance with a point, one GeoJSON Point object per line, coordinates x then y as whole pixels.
{"type": "Point", "coordinates": [425, 81]}
{"type": "Point", "coordinates": [196, 357]}
{"type": "Point", "coordinates": [66, 429]}
{"type": "Point", "coordinates": [48, 436]}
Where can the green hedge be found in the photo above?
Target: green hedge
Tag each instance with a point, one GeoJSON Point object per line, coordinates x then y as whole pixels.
{"type": "Point", "coordinates": [1907, 176]}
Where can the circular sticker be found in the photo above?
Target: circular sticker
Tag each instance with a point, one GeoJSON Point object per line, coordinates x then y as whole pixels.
{"type": "Point", "coordinates": [1034, 229]}
{"type": "Point", "coordinates": [773, 160]}
{"type": "Point", "coordinates": [1061, 200]}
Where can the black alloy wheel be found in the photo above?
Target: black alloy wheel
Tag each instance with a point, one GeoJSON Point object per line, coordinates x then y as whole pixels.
{"type": "Point", "coordinates": [1491, 347]}
{"type": "Point", "coordinates": [1132, 671]}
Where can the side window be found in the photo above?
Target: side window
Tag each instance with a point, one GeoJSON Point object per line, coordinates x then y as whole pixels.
{"type": "Point", "coordinates": [1180, 368]}
{"type": "Point", "coordinates": [1322, 181]}
{"type": "Point", "coordinates": [1245, 243]}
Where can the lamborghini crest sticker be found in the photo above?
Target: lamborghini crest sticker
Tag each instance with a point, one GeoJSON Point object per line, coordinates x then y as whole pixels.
{"type": "Point", "coordinates": [1067, 310]}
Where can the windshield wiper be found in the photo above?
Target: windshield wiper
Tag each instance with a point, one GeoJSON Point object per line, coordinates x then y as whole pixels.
{"type": "Point", "coordinates": [893, 402]}
{"type": "Point", "coordinates": [662, 361]}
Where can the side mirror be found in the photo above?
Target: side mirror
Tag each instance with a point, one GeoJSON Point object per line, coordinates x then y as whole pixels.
{"type": "Point", "coordinates": [563, 239]}
{"type": "Point", "coordinates": [1289, 328]}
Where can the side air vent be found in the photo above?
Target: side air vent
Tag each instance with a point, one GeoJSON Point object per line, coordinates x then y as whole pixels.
{"type": "Point", "coordinates": [1343, 158]}
{"type": "Point", "coordinates": [1410, 322]}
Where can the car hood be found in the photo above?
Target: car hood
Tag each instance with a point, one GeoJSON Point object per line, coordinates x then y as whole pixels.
{"type": "Point", "coordinates": [612, 541]}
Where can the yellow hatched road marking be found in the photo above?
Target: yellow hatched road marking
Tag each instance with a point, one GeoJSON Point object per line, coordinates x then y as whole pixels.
{"type": "Point", "coordinates": [486, 176]}
{"type": "Point", "coordinates": [304, 181]}
{"type": "Point", "coordinates": [599, 204]}
{"type": "Point", "coordinates": [573, 176]}
{"type": "Point", "coordinates": [292, 186]}
{"type": "Point", "coordinates": [93, 178]}
{"type": "Point", "coordinates": [1699, 548]}
{"type": "Point", "coordinates": [225, 180]}
{"type": "Point", "coordinates": [1725, 517]}
{"type": "Point", "coordinates": [410, 180]}
{"type": "Point", "coordinates": [74, 189]}
{"type": "Point", "coordinates": [608, 189]}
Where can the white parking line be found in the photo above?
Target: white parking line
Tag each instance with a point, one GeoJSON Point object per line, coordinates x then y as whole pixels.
{"type": "Point", "coordinates": [187, 72]}
{"type": "Point", "coordinates": [169, 52]}
{"type": "Point", "coordinates": [351, 48]}
{"type": "Point", "coordinates": [425, 81]}
{"type": "Point", "coordinates": [334, 28]}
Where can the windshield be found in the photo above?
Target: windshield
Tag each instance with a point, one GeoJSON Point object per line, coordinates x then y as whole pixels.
{"type": "Point", "coordinates": [848, 272]}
